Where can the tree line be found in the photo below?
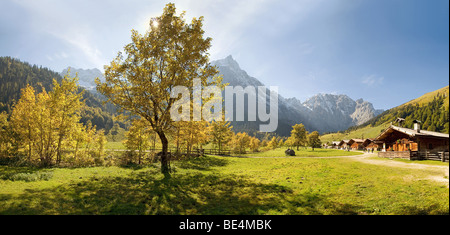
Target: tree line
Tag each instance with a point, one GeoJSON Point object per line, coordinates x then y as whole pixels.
{"type": "Point", "coordinates": [15, 75]}
{"type": "Point", "coordinates": [434, 115]}
{"type": "Point", "coordinates": [138, 83]}
{"type": "Point", "coordinates": [45, 128]}
{"type": "Point", "coordinates": [44, 125]}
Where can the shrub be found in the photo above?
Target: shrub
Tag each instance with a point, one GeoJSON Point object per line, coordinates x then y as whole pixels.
{"type": "Point", "coordinates": [30, 177]}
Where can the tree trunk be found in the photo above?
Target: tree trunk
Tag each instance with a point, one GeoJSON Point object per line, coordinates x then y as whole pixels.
{"type": "Point", "coordinates": [29, 143]}
{"type": "Point", "coordinates": [165, 167]}
{"type": "Point", "coordinates": [58, 151]}
{"type": "Point", "coordinates": [140, 154]}
{"type": "Point", "coordinates": [154, 141]}
{"type": "Point", "coordinates": [76, 149]}
{"type": "Point", "coordinates": [178, 140]}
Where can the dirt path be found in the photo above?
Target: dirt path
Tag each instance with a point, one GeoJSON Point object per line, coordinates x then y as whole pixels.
{"type": "Point", "coordinates": [292, 157]}
{"type": "Point", "coordinates": [440, 173]}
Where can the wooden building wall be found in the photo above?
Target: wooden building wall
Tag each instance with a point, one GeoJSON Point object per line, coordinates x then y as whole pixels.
{"type": "Point", "coordinates": [433, 144]}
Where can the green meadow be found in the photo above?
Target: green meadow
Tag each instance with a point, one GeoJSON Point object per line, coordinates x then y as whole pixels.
{"type": "Point", "coordinates": [302, 152]}
{"type": "Point", "coordinates": [227, 186]}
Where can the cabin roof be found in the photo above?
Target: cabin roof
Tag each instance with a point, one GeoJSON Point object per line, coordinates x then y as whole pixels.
{"type": "Point", "coordinates": [411, 133]}
{"type": "Point", "coordinates": [358, 141]}
{"type": "Point", "coordinates": [371, 140]}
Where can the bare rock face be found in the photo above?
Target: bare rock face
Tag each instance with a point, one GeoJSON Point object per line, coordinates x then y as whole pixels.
{"type": "Point", "coordinates": [364, 111]}
{"type": "Point", "coordinates": [322, 112]}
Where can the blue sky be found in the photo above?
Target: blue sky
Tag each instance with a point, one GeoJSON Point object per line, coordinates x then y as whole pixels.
{"type": "Point", "coordinates": [384, 51]}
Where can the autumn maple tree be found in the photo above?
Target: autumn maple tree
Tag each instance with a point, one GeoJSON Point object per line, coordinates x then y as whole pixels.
{"type": "Point", "coordinates": [140, 80]}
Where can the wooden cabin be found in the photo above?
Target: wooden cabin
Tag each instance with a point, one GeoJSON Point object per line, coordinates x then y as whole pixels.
{"type": "Point", "coordinates": [335, 144]}
{"type": "Point", "coordinates": [343, 144]}
{"type": "Point", "coordinates": [370, 144]}
{"type": "Point", "coordinates": [400, 142]}
{"type": "Point", "coordinates": [356, 144]}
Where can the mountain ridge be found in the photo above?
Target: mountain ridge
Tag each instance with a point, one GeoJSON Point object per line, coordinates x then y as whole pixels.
{"type": "Point", "coordinates": [86, 77]}
{"type": "Point", "coordinates": [432, 109]}
{"type": "Point", "coordinates": [16, 75]}
{"type": "Point", "coordinates": [322, 112]}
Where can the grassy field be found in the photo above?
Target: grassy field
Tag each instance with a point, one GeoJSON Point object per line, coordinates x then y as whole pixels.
{"type": "Point", "coordinates": [226, 185]}
{"type": "Point", "coordinates": [115, 145]}
{"type": "Point", "coordinates": [302, 152]}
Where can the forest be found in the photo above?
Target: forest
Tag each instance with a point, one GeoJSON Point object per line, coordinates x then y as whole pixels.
{"type": "Point", "coordinates": [16, 75]}
{"type": "Point", "coordinates": [433, 115]}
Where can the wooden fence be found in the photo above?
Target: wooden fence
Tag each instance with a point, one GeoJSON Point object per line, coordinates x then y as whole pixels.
{"type": "Point", "coordinates": [416, 155]}
{"type": "Point", "coordinates": [179, 151]}
{"type": "Point", "coordinates": [217, 152]}
{"type": "Point", "coordinates": [437, 156]}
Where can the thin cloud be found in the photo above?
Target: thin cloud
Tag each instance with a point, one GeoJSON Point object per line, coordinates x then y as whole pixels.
{"type": "Point", "coordinates": [372, 80]}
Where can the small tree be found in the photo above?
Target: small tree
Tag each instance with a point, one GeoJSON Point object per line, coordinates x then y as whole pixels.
{"type": "Point", "coordinates": [314, 140]}
{"type": "Point", "coordinates": [116, 133]}
{"type": "Point", "coordinates": [240, 142]}
{"type": "Point", "coordinates": [298, 135]}
{"type": "Point", "coordinates": [49, 121]}
{"type": "Point", "coordinates": [8, 144]}
{"type": "Point", "coordinates": [23, 119]}
{"type": "Point", "coordinates": [65, 100]}
{"type": "Point", "coordinates": [273, 143]}
{"type": "Point", "coordinates": [220, 133]}
{"type": "Point", "coordinates": [254, 144]}
{"type": "Point", "coordinates": [138, 137]}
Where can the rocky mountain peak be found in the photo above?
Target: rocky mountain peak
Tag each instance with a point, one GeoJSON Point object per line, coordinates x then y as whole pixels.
{"type": "Point", "coordinates": [86, 77]}
{"type": "Point", "coordinates": [233, 74]}
{"type": "Point", "coordinates": [321, 112]}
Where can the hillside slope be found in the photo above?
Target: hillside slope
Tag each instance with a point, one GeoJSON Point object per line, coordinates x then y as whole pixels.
{"type": "Point", "coordinates": [15, 75]}
{"type": "Point", "coordinates": [432, 109]}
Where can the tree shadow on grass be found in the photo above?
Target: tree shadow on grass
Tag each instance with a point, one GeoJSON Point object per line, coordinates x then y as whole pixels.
{"type": "Point", "coordinates": [146, 193]}
{"type": "Point", "coordinates": [202, 163]}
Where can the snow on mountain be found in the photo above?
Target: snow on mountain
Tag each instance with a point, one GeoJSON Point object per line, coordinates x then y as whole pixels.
{"type": "Point", "coordinates": [86, 76]}
{"type": "Point", "coordinates": [322, 112]}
